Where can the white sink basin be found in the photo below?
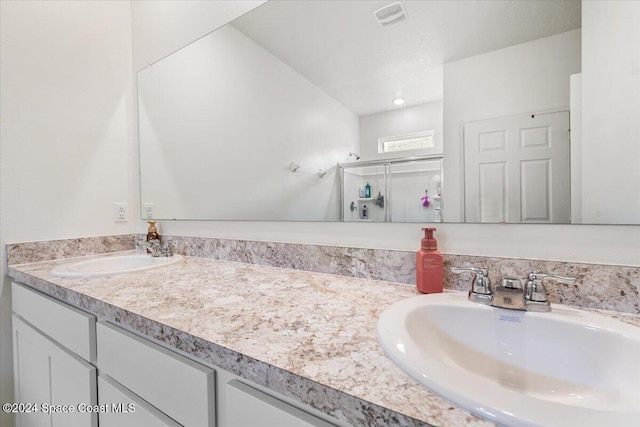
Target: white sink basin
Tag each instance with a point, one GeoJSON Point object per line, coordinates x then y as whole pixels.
{"type": "Point", "coordinates": [566, 367]}
{"type": "Point", "coordinates": [111, 265]}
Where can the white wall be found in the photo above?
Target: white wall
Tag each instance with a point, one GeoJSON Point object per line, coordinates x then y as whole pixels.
{"type": "Point", "coordinates": [162, 27]}
{"type": "Point", "coordinates": [591, 244]}
{"type": "Point", "coordinates": [529, 77]}
{"type": "Point", "coordinates": [403, 121]}
{"type": "Point", "coordinates": [224, 109]}
{"type": "Point", "coordinates": [611, 111]}
{"type": "Point", "coordinates": [66, 131]}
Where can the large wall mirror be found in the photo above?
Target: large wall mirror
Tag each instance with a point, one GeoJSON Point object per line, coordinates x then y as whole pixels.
{"type": "Point", "coordinates": [411, 111]}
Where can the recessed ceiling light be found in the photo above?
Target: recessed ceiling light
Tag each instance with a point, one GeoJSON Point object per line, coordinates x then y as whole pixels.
{"type": "Point", "coordinates": [398, 101]}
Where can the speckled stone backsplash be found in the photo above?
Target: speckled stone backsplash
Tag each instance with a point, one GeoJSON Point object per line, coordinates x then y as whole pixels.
{"type": "Point", "coordinates": [393, 266]}
{"type": "Point", "coordinates": [22, 253]}
{"type": "Point", "coordinates": [598, 286]}
{"type": "Point", "coordinates": [606, 287]}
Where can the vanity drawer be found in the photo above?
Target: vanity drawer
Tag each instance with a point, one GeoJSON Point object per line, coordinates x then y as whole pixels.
{"type": "Point", "coordinates": [121, 408]}
{"type": "Point", "coordinates": [70, 327]}
{"type": "Point", "coordinates": [174, 384]}
{"type": "Point", "coordinates": [265, 410]}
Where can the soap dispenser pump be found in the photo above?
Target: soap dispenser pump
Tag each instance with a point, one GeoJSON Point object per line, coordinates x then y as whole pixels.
{"type": "Point", "coordinates": [152, 232]}
{"type": "Point", "coordinates": [429, 266]}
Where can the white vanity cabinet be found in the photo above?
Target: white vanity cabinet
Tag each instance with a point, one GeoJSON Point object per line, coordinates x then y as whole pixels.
{"type": "Point", "coordinates": [247, 406]}
{"type": "Point", "coordinates": [176, 386]}
{"type": "Point", "coordinates": [122, 408]}
{"type": "Point", "coordinates": [52, 346]}
{"type": "Point", "coordinates": [116, 378]}
{"type": "Point", "coordinates": [168, 389]}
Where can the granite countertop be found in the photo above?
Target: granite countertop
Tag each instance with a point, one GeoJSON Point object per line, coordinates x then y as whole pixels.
{"type": "Point", "coordinates": [309, 336]}
{"type": "Point", "coordinates": [315, 333]}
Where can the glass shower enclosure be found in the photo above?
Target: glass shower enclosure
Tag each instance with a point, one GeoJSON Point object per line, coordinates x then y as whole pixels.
{"type": "Point", "coordinates": [392, 190]}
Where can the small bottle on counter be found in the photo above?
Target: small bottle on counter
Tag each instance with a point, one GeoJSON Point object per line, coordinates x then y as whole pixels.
{"type": "Point", "coordinates": [429, 267]}
{"type": "Point", "coordinates": [152, 232]}
{"type": "Point", "coordinates": [365, 212]}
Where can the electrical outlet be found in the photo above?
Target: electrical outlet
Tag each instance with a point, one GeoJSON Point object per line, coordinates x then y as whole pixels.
{"type": "Point", "coordinates": [120, 212]}
{"type": "Point", "coordinates": [147, 210]}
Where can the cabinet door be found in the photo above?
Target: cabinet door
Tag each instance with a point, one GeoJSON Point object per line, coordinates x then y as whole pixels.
{"type": "Point", "coordinates": [122, 408]}
{"type": "Point", "coordinates": [177, 386]}
{"type": "Point", "coordinates": [249, 407]}
{"type": "Point", "coordinates": [71, 328]}
{"type": "Point", "coordinates": [45, 375]}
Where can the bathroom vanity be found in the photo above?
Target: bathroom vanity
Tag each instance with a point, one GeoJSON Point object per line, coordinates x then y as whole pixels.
{"type": "Point", "coordinates": [200, 341]}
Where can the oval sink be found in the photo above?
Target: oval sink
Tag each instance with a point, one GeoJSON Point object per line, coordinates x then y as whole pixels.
{"type": "Point", "coordinates": [516, 368]}
{"type": "Point", "coordinates": [111, 265]}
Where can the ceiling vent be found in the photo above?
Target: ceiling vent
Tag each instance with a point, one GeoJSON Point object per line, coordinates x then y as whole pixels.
{"type": "Point", "coordinates": [390, 14]}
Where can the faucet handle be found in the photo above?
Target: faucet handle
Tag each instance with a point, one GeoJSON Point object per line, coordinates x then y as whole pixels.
{"type": "Point", "coordinates": [480, 287]}
{"type": "Point", "coordinates": [511, 283]}
{"type": "Point", "coordinates": [478, 271]}
{"type": "Point", "coordinates": [536, 275]}
{"type": "Point", "coordinates": [167, 249]}
{"type": "Point", "coordinates": [535, 290]}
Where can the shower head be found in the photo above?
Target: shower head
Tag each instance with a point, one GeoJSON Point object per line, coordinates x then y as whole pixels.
{"type": "Point", "coordinates": [354, 155]}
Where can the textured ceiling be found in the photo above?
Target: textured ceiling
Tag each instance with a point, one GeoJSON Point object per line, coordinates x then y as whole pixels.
{"type": "Point", "coordinates": [340, 47]}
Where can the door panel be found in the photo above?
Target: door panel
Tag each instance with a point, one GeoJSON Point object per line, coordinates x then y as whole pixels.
{"type": "Point", "coordinates": [492, 186]}
{"type": "Point", "coordinates": [46, 374]}
{"type": "Point", "coordinates": [535, 190]}
{"type": "Point", "coordinates": [517, 169]}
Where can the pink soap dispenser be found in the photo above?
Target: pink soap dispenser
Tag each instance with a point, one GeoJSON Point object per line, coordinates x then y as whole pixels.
{"type": "Point", "coordinates": [429, 265]}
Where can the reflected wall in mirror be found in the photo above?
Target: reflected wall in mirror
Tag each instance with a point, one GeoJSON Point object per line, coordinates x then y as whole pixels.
{"type": "Point", "coordinates": [324, 86]}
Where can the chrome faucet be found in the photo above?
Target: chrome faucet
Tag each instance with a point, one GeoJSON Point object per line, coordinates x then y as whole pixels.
{"type": "Point", "coordinates": [153, 245]}
{"type": "Point", "coordinates": [510, 293]}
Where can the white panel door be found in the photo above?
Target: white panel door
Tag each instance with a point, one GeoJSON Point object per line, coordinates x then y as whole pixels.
{"type": "Point", "coordinates": [48, 374]}
{"type": "Point", "coordinates": [517, 169]}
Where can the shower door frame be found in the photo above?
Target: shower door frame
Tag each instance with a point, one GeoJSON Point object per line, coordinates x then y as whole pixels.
{"type": "Point", "coordinates": [387, 163]}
